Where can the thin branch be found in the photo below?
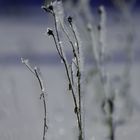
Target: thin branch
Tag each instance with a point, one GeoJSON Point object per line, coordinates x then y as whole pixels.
{"type": "Point", "coordinates": [78, 69]}
{"type": "Point", "coordinates": [69, 79]}
{"type": "Point", "coordinates": [37, 74]}
{"type": "Point", "coordinates": [26, 62]}
{"type": "Point", "coordinates": [74, 33]}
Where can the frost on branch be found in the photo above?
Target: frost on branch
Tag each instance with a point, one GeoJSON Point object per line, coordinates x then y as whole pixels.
{"type": "Point", "coordinates": [37, 74]}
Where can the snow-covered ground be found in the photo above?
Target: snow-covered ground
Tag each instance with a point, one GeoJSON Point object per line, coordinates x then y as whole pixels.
{"type": "Point", "coordinates": [21, 112]}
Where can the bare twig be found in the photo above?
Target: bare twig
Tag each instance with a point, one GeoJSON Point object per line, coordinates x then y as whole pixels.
{"type": "Point", "coordinates": [37, 74]}
{"type": "Point", "coordinates": [78, 69]}
{"type": "Point", "coordinates": [69, 79]}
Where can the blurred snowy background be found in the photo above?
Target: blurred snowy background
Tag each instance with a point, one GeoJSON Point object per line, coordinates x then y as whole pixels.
{"type": "Point", "coordinates": [22, 34]}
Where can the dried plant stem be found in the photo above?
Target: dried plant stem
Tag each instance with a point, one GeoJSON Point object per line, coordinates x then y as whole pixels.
{"type": "Point", "coordinates": [78, 74]}
{"type": "Point", "coordinates": [70, 82]}
{"type": "Point", "coordinates": [37, 74]}
{"type": "Point", "coordinates": [78, 70]}
{"type": "Point", "coordinates": [111, 129]}
{"type": "Point", "coordinates": [77, 62]}
{"type": "Point", "coordinates": [70, 41]}
{"type": "Point", "coordinates": [59, 48]}
{"type": "Point", "coordinates": [75, 36]}
{"type": "Point", "coordinates": [110, 118]}
{"type": "Point", "coordinates": [42, 96]}
{"type": "Point", "coordinates": [112, 133]}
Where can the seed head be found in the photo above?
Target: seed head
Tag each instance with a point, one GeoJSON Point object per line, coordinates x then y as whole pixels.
{"type": "Point", "coordinates": [48, 8]}
{"type": "Point", "coordinates": [50, 32]}
{"type": "Point", "coordinates": [100, 10]}
{"type": "Point", "coordinates": [99, 27]}
{"type": "Point", "coordinates": [70, 19]}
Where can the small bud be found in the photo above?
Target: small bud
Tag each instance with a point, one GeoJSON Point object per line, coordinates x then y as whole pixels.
{"type": "Point", "coordinates": [111, 105]}
{"type": "Point", "coordinates": [99, 27]}
{"type": "Point", "coordinates": [108, 106]}
{"type": "Point", "coordinates": [70, 19]}
{"type": "Point", "coordinates": [70, 87]}
{"type": "Point", "coordinates": [48, 8]}
{"type": "Point", "coordinates": [100, 10]}
{"type": "Point", "coordinates": [41, 95]}
{"type": "Point", "coordinates": [74, 53]}
{"type": "Point", "coordinates": [76, 110]}
{"type": "Point", "coordinates": [78, 73]}
{"type": "Point", "coordinates": [49, 32]}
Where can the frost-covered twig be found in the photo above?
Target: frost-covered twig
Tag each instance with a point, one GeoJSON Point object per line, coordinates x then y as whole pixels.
{"type": "Point", "coordinates": [70, 68]}
{"type": "Point", "coordinates": [78, 61]}
{"type": "Point", "coordinates": [108, 109]}
{"type": "Point", "coordinates": [37, 74]}
{"type": "Point", "coordinates": [99, 45]}
{"type": "Point", "coordinates": [108, 102]}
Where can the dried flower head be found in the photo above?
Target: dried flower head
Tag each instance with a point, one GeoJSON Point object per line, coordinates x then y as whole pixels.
{"type": "Point", "coordinates": [99, 27]}
{"type": "Point", "coordinates": [101, 10]}
{"type": "Point", "coordinates": [70, 19]}
{"type": "Point", "coordinates": [50, 31]}
{"type": "Point", "coordinates": [48, 8]}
